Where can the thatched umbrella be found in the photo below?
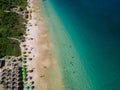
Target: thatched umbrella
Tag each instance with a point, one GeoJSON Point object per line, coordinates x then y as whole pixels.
{"type": "Point", "coordinates": [9, 70]}
{"type": "Point", "coordinates": [7, 82]}
{"type": "Point", "coordinates": [17, 88]}
{"type": "Point", "coordinates": [3, 78]}
{"type": "Point", "coordinates": [8, 64]}
{"type": "Point", "coordinates": [9, 85]}
{"type": "Point", "coordinates": [19, 68]}
{"type": "Point", "coordinates": [3, 74]}
{"type": "Point", "coordinates": [13, 83]}
{"type": "Point", "coordinates": [18, 71]}
{"type": "Point", "coordinates": [19, 78]}
{"type": "Point", "coordinates": [8, 74]}
{"type": "Point", "coordinates": [20, 59]}
{"type": "Point", "coordinates": [15, 64]}
{"type": "Point", "coordinates": [13, 75]}
{"type": "Point", "coordinates": [18, 75]}
{"type": "Point", "coordinates": [4, 70]}
{"type": "Point", "coordinates": [1, 81]}
{"type": "Point", "coordinates": [12, 88]}
{"type": "Point", "coordinates": [14, 79]}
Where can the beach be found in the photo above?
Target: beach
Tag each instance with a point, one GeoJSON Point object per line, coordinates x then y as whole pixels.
{"type": "Point", "coordinates": [59, 45]}
{"type": "Point", "coordinates": [46, 73]}
{"type": "Point", "coordinates": [68, 52]}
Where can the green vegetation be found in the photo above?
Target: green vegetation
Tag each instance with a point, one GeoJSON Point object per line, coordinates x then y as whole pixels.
{"type": "Point", "coordinates": [8, 4]}
{"type": "Point", "coordinates": [11, 25]}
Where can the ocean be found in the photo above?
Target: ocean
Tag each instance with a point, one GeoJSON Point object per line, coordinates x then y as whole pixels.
{"type": "Point", "coordinates": [86, 38]}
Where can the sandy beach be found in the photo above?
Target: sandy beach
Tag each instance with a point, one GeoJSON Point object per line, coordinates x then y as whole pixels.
{"type": "Point", "coordinates": [46, 74]}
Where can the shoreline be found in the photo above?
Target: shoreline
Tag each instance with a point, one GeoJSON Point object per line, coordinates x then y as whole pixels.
{"type": "Point", "coordinates": [46, 74]}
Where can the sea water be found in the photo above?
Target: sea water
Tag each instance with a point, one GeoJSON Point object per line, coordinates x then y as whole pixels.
{"type": "Point", "coordinates": [86, 36]}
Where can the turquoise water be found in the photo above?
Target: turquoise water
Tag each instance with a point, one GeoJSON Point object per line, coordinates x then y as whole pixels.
{"type": "Point", "coordinates": [85, 34]}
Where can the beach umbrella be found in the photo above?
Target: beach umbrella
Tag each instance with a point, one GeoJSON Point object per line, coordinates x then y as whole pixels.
{"type": "Point", "coordinates": [23, 68]}
{"type": "Point", "coordinates": [25, 55]}
{"type": "Point", "coordinates": [3, 78]}
{"type": "Point", "coordinates": [23, 65]}
{"type": "Point", "coordinates": [1, 81]}
{"type": "Point", "coordinates": [31, 87]}
{"type": "Point", "coordinates": [19, 68]}
{"type": "Point", "coordinates": [26, 48]}
{"type": "Point", "coordinates": [24, 73]}
{"type": "Point", "coordinates": [18, 71]}
{"type": "Point", "coordinates": [13, 79]}
{"type": "Point", "coordinates": [9, 71]}
{"type": "Point", "coordinates": [26, 88]}
{"type": "Point", "coordinates": [20, 59]}
{"type": "Point", "coordinates": [13, 83]}
{"type": "Point", "coordinates": [25, 61]}
{"type": "Point", "coordinates": [15, 64]}
{"type": "Point", "coordinates": [13, 75]}
{"type": "Point", "coordinates": [2, 74]}
{"type": "Point", "coordinates": [8, 64]}
{"type": "Point", "coordinates": [7, 86]}
{"type": "Point", "coordinates": [30, 71]}
{"type": "Point", "coordinates": [30, 59]}
{"type": "Point", "coordinates": [12, 88]}
{"type": "Point", "coordinates": [18, 88]}
{"type": "Point", "coordinates": [32, 82]}
{"type": "Point", "coordinates": [29, 52]}
{"type": "Point", "coordinates": [24, 58]}
{"type": "Point", "coordinates": [24, 80]}
{"type": "Point", "coordinates": [12, 60]}
{"type": "Point", "coordinates": [29, 77]}
{"type": "Point", "coordinates": [4, 70]}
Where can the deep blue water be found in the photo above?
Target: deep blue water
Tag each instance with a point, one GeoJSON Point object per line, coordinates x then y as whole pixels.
{"type": "Point", "coordinates": [94, 26]}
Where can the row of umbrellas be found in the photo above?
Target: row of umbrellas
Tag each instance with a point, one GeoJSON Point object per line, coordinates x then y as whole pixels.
{"type": "Point", "coordinates": [29, 85]}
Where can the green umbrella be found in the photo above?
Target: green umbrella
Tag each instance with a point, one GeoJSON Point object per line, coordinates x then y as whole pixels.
{"type": "Point", "coordinates": [23, 81]}
{"type": "Point", "coordinates": [26, 88]}
{"type": "Point", "coordinates": [23, 73]}
{"type": "Point", "coordinates": [23, 68]}
{"type": "Point", "coordinates": [30, 88]}
{"type": "Point", "coordinates": [29, 52]}
{"type": "Point", "coordinates": [23, 63]}
{"type": "Point", "coordinates": [30, 58]}
{"type": "Point", "coordinates": [30, 83]}
{"type": "Point", "coordinates": [24, 58]}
